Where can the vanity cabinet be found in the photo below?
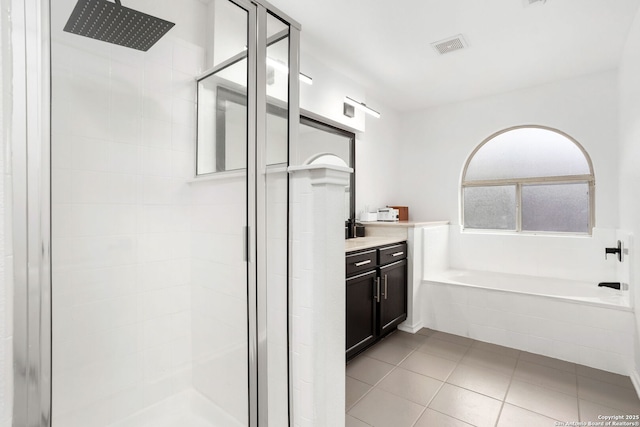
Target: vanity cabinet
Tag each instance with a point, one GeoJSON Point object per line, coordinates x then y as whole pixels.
{"type": "Point", "coordinates": [376, 294]}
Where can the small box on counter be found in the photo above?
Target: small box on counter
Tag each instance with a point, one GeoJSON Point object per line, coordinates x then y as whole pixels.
{"type": "Point", "coordinates": [403, 212]}
{"type": "Point", "coordinates": [368, 216]}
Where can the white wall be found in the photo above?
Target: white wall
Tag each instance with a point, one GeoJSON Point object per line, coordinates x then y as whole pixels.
{"type": "Point", "coordinates": [436, 142]}
{"type": "Point", "coordinates": [378, 166]}
{"type": "Point", "coordinates": [629, 175]}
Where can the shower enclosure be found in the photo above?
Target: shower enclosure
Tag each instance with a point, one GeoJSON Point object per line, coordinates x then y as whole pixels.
{"type": "Point", "coordinates": [167, 298]}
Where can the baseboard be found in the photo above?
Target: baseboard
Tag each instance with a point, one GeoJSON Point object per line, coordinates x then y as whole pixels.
{"type": "Point", "coordinates": [635, 379]}
{"type": "Point", "coordinates": [412, 329]}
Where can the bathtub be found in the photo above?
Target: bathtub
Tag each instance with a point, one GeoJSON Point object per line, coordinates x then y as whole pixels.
{"type": "Point", "coordinates": [565, 319]}
{"type": "Point", "coordinates": [567, 290]}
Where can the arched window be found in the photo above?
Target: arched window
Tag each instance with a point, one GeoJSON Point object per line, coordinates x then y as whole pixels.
{"type": "Point", "coordinates": [529, 179]}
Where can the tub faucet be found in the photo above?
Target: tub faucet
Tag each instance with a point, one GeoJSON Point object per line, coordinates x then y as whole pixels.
{"type": "Point", "coordinates": [617, 250]}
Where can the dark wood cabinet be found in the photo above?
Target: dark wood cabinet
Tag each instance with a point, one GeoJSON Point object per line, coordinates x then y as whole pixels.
{"type": "Point", "coordinates": [362, 319]}
{"type": "Point", "coordinates": [376, 294]}
{"type": "Point", "coordinates": [393, 299]}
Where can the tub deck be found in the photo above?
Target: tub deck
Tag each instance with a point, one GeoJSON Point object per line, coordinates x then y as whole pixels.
{"type": "Point", "coordinates": [579, 292]}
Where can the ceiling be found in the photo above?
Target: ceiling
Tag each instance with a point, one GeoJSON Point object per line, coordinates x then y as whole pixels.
{"type": "Point", "coordinates": [386, 45]}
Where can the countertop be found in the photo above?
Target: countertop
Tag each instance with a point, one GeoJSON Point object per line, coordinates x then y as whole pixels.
{"type": "Point", "coordinates": [403, 224]}
{"type": "Point", "coordinates": [380, 233]}
{"type": "Point", "coordinates": [359, 243]}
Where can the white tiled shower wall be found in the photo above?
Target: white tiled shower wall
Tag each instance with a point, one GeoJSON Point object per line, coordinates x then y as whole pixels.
{"type": "Point", "coordinates": [122, 141]}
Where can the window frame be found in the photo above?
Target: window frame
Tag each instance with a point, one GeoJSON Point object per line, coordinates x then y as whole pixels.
{"type": "Point", "coordinates": [519, 182]}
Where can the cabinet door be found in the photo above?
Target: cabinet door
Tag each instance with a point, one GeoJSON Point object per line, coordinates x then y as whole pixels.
{"type": "Point", "coordinates": [393, 300]}
{"type": "Point", "coordinates": [361, 312]}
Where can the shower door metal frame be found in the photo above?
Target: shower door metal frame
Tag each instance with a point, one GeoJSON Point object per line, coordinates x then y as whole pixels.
{"type": "Point", "coordinates": [31, 163]}
{"type": "Point", "coordinates": [31, 210]}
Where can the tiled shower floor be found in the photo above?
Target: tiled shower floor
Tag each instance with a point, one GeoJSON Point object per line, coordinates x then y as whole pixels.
{"type": "Point", "coordinates": [442, 380]}
{"type": "Point", "coordinates": [186, 409]}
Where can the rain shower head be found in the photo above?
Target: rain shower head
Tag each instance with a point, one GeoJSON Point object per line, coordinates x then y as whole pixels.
{"type": "Point", "coordinates": [114, 23]}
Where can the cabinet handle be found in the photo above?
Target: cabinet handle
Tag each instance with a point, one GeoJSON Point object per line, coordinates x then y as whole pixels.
{"type": "Point", "coordinates": [377, 289]}
{"type": "Point", "coordinates": [385, 286]}
{"type": "Point", "coordinates": [398, 254]}
{"type": "Point", "coordinates": [361, 263]}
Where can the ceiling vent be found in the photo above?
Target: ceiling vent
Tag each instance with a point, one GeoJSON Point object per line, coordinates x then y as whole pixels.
{"type": "Point", "coordinates": [449, 45]}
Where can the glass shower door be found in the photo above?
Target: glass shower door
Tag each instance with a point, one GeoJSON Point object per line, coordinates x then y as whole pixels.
{"type": "Point", "coordinates": [169, 291]}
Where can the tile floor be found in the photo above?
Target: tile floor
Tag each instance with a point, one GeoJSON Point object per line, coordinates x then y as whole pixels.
{"type": "Point", "coordinates": [434, 379]}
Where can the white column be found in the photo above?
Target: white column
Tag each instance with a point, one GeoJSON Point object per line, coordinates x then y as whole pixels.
{"type": "Point", "coordinates": [318, 294]}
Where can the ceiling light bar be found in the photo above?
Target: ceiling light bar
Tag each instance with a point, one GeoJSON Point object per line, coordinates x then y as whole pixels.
{"type": "Point", "coordinates": [306, 79]}
{"type": "Point", "coordinates": [350, 102]}
{"type": "Point", "coordinates": [282, 67]}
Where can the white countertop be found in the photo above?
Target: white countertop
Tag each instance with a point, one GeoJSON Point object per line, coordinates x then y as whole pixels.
{"type": "Point", "coordinates": [405, 224]}
{"type": "Point", "coordinates": [380, 233]}
{"type": "Point", "coordinates": [359, 243]}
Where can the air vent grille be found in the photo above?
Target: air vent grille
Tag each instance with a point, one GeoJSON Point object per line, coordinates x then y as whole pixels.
{"type": "Point", "coordinates": [449, 45]}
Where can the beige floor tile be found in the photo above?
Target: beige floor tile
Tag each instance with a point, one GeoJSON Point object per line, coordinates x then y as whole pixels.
{"type": "Point", "coordinates": [466, 405]}
{"type": "Point", "coordinates": [354, 391]}
{"type": "Point", "coordinates": [411, 386]}
{"type": "Point", "coordinates": [427, 364]}
{"type": "Point", "coordinates": [389, 352]}
{"type": "Point", "coordinates": [383, 409]}
{"type": "Point", "coordinates": [456, 339]}
{"type": "Point", "coordinates": [432, 418]}
{"type": "Point", "coordinates": [368, 370]}
{"type": "Point", "coordinates": [543, 401]}
{"type": "Point", "coordinates": [496, 348]}
{"type": "Point", "coordinates": [425, 331]}
{"type": "Point", "coordinates": [350, 421]}
{"type": "Point", "coordinates": [590, 411]}
{"type": "Point", "coordinates": [608, 394]}
{"type": "Point", "coordinates": [555, 379]}
{"type": "Point", "coordinates": [446, 349]}
{"type": "Point", "coordinates": [487, 359]}
{"type": "Point", "coordinates": [482, 380]}
{"type": "Point", "coordinates": [405, 339]}
{"type": "Point", "coordinates": [604, 376]}
{"type": "Point", "coordinates": [548, 361]}
{"type": "Point", "coordinates": [514, 416]}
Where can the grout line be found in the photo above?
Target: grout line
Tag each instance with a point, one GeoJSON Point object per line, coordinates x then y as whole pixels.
{"type": "Point", "coordinates": [506, 393]}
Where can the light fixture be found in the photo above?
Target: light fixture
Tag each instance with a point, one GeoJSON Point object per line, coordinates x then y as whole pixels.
{"type": "Point", "coordinates": [350, 104]}
{"type": "Point", "coordinates": [282, 67]}
{"type": "Point", "coordinates": [306, 79]}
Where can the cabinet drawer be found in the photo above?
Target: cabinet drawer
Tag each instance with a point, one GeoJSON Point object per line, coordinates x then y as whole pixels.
{"type": "Point", "coordinates": [361, 262]}
{"type": "Point", "coordinates": [392, 253]}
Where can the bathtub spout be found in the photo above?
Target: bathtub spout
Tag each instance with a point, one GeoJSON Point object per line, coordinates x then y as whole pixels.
{"type": "Point", "coordinates": [617, 251]}
{"type": "Point", "coordinates": [612, 285]}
